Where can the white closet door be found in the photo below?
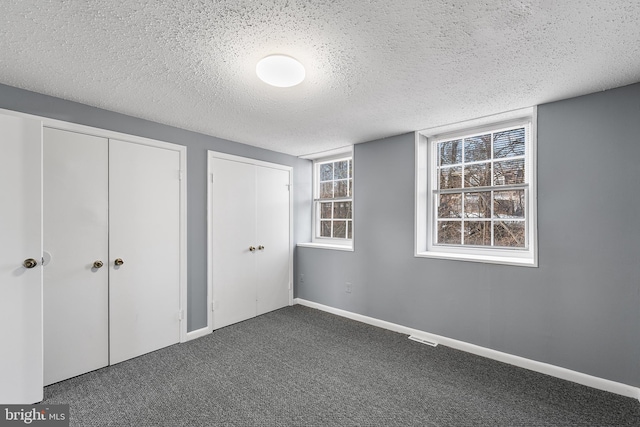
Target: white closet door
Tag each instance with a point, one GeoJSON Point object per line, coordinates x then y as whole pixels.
{"type": "Point", "coordinates": [20, 238]}
{"type": "Point", "coordinates": [233, 233]}
{"type": "Point", "coordinates": [273, 229]}
{"type": "Point", "coordinates": [75, 234]}
{"type": "Point", "coordinates": [144, 218]}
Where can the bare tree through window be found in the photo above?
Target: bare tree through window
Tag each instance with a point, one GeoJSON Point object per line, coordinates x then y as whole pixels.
{"type": "Point", "coordinates": [334, 203]}
{"type": "Point", "coordinates": [481, 194]}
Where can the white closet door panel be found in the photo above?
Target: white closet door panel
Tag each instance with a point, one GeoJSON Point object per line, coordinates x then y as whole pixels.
{"type": "Point", "coordinates": [234, 231]}
{"type": "Point", "coordinates": [75, 234]}
{"type": "Point", "coordinates": [21, 378]}
{"type": "Point", "coordinates": [144, 217]}
{"type": "Point", "coordinates": [273, 233]}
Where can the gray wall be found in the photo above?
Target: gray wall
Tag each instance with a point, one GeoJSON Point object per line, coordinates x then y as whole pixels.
{"type": "Point", "coordinates": [197, 145]}
{"type": "Point", "coordinates": [579, 310]}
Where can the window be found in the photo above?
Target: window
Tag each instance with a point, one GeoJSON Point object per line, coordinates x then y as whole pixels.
{"type": "Point", "coordinates": [476, 190]}
{"type": "Point", "coordinates": [333, 201]}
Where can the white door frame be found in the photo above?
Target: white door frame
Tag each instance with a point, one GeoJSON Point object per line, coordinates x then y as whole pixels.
{"type": "Point", "coordinates": [181, 149]}
{"type": "Point", "coordinates": [225, 156]}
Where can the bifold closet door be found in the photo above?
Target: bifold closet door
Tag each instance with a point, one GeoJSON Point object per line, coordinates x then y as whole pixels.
{"type": "Point", "coordinates": [76, 278]}
{"type": "Point", "coordinates": [234, 233]}
{"type": "Point", "coordinates": [144, 222]}
{"type": "Point", "coordinates": [250, 240]}
{"type": "Point", "coordinates": [20, 261]}
{"type": "Point", "coordinates": [272, 257]}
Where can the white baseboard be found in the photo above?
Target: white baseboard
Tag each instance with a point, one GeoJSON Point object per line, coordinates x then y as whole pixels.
{"type": "Point", "coordinates": [197, 333]}
{"type": "Point", "coordinates": [544, 368]}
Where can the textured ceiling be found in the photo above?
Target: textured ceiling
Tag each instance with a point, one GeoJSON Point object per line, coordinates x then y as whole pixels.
{"type": "Point", "coordinates": [374, 68]}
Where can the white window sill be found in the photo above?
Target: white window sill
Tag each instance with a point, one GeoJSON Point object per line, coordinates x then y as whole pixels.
{"type": "Point", "coordinates": [326, 246]}
{"type": "Point", "coordinates": [490, 259]}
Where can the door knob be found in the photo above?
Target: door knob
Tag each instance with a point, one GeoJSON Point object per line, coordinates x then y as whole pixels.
{"type": "Point", "coordinates": [252, 248]}
{"type": "Point", "coordinates": [29, 263]}
{"type": "Point", "coordinates": [261, 247]}
{"type": "Point", "coordinates": [97, 264]}
{"type": "Point", "coordinates": [118, 261]}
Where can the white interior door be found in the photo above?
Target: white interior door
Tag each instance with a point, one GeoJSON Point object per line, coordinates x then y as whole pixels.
{"type": "Point", "coordinates": [21, 378]}
{"type": "Point", "coordinates": [273, 239]}
{"type": "Point", "coordinates": [233, 234]}
{"type": "Point", "coordinates": [76, 231]}
{"type": "Point", "coordinates": [144, 220]}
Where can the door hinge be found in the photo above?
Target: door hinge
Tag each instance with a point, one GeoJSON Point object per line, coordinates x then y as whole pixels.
{"type": "Point", "coordinates": [180, 314]}
{"type": "Point", "coordinates": [213, 306]}
{"type": "Point", "coordinates": [180, 175]}
{"type": "Point", "coordinates": [213, 178]}
{"type": "Point", "coordinates": [288, 187]}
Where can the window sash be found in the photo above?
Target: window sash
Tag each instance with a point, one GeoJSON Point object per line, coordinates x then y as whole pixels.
{"type": "Point", "coordinates": [479, 189]}
{"type": "Point", "coordinates": [318, 181]}
{"type": "Point", "coordinates": [492, 220]}
{"type": "Point", "coordinates": [334, 199]}
{"type": "Point", "coordinates": [433, 163]}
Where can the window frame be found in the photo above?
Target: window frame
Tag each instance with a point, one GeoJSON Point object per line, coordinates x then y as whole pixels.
{"type": "Point", "coordinates": [339, 242]}
{"type": "Point", "coordinates": [426, 191]}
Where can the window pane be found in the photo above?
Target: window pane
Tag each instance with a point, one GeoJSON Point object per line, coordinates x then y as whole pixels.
{"type": "Point", "coordinates": [341, 170]}
{"type": "Point", "coordinates": [450, 206]}
{"type": "Point", "coordinates": [451, 177]}
{"type": "Point", "coordinates": [508, 204]}
{"type": "Point", "coordinates": [349, 229]}
{"type": "Point", "coordinates": [508, 172]}
{"type": "Point", "coordinates": [449, 232]}
{"type": "Point", "coordinates": [342, 210]}
{"type": "Point", "coordinates": [326, 172]}
{"type": "Point", "coordinates": [509, 233]}
{"type": "Point", "coordinates": [340, 229]}
{"type": "Point", "coordinates": [450, 152]}
{"type": "Point", "coordinates": [350, 168]}
{"type": "Point", "coordinates": [325, 228]}
{"type": "Point", "coordinates": [477, 233]}
{"type": "Point", "coordinates": [477, 205]}
{"type": "Point", "coordinates": [477, 148]}
{"type": "Point", "coordinates": [508, 143]}
{"type": "Point", "coordinates": [325, 210]}
{"type": "Point", "coordinates": [341, 189]}
{"type": "Point", "coordinates": [477, 175]}
{"type": "Point", "coordinates": [326, 190]}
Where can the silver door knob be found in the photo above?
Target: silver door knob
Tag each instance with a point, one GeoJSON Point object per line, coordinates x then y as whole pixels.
{"type": "Point", "coordinates": [261, 248]}
{"type": "Point", "coordinates": [29, 263]}
{"type": "Point", "coordinates": [118, 261]}
{"type": "Point", "coordinates": [252, 248]}
{"type": "Point", "coordinates": [97, 264]}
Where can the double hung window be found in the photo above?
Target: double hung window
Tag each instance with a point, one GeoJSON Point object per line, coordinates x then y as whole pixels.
{"type": "Point", "coordinates": [476, 192]}
{"type": "Point", "coordinates": [333, 201]}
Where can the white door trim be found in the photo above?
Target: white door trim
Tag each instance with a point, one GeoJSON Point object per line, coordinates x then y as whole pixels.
{"type": "Point", "coordinates": [215, 154]}
{"type": "Point", "coordinates": [181, 149]}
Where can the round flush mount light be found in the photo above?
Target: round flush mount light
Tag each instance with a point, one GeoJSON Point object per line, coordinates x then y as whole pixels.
{"type": "Point", "coordinates": [280, 71]}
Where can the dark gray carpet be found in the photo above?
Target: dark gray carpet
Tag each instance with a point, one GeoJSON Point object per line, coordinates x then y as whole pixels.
{"type": "Point", "coordinates": [303, 367]}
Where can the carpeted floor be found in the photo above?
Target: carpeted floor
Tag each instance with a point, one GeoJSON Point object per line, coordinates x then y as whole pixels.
{"type": "Point", "coordinates": [302, 367]}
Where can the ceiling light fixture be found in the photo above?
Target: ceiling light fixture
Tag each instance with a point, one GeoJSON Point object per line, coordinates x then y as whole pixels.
{"type": "Point", "coordinates": [280, 71]}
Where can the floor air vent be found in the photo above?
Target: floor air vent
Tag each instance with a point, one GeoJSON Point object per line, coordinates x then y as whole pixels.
{"type": "Point", "coordinates": [420, 340]}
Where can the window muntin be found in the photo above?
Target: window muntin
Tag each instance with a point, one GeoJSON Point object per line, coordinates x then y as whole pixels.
{"type": "Point", "coordinates": [334, 200]}
{"type": "Point", "coordinates": [480, 197]}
